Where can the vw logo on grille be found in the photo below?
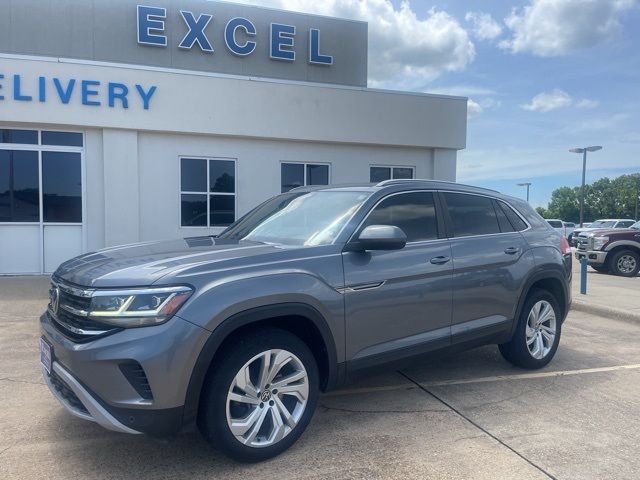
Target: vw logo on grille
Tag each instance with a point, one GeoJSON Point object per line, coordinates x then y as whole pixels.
{"type": "Point", "coordinates": [54, 298]}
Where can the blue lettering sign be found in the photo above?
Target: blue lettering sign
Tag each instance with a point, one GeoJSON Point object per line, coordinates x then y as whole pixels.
{"type": "Point", "coordinates": [196, 31]}
{"type": "Point", "coordinates": [91, 92]}
{"type": "Point", "coordinates": [282, 42]}
{"type": "Point", "coordinates": [150, 25]}
{"type": "Point", "coordinates": [230, 32]}
{"type": "Point", "coordinates": [86, 93]}
{"type": "Point", "coordinates": [146, 96]}
{"type": "Point", "coordinates": [315, 56]}
{"type": "Point", "coordinates": [17, 94]}
{"type": "Point", "coordinates": [65, 95]}
{"type": "Point", "coordinates": [119, 91]}
{"type": "Point", "coordinates": [42, 89]}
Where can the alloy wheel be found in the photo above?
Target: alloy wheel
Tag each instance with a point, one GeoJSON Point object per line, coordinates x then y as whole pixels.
{"type": "Point", "coordinates": [626, 264]}
{"type": "Point", "coordinates": [267, 398]}
{"type": "Point", "coordinates": [541, 329]}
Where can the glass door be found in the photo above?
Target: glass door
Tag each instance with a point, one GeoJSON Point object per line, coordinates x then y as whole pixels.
{"type": "Point", "coordinates": [41, 199]}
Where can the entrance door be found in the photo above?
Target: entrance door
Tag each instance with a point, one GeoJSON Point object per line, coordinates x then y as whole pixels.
{"type": "Point", "coordinates": [41, 200]}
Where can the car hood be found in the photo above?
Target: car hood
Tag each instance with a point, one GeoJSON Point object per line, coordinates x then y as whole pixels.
{"type": "Point", "coordinates": [144, 264]}
{"type": "Point", "coordinates": [615, 231]}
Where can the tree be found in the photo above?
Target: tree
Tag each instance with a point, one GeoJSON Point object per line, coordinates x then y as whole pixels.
{"type": "Point", "coordinates": [604, 198]}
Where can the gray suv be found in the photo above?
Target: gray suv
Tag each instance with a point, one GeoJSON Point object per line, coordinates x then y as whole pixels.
{"type": "Point", "coordinates": [238, 334]}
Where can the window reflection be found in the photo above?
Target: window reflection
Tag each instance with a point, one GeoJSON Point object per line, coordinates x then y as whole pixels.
{"type": "Point", "coordinates": [19, 190]}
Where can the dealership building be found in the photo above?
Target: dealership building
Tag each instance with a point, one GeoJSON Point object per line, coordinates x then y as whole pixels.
{"type": "Point", "coordinates": [122, 122]}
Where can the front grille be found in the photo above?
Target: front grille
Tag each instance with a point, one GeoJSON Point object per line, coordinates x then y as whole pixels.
{"type": "Point", "coordinates": [66, 393]}
{"type": "Point", "coordinates": [70, 314]}
{"type": "Point", "coordinates": [582, 243]}
{"type": "Point", "coordinates": [134, 373]}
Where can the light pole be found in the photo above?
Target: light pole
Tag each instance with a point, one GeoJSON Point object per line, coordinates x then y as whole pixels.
{"type": "Point", "coordinates": [584, 151]}
{"type": "Point", "coordinates": [526, 184]}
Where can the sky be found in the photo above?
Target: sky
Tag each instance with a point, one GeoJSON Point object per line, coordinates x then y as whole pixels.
{"type": "Point", "coordinates": [542, 76]}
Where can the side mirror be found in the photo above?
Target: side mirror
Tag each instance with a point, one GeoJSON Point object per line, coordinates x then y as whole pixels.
{"type": "Point", "coordinates": [380, 237]}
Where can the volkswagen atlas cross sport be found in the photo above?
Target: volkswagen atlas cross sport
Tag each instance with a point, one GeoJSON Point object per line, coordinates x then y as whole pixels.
{"type": "Point", "coordinates": [238, 334]}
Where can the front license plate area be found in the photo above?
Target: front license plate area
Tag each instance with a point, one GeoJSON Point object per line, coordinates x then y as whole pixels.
{"type": "Point", "coordinates": [46, 354]}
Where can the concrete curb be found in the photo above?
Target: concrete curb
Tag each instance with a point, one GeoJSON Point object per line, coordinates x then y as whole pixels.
{"type": "Point", "coordinates": [609, 312]}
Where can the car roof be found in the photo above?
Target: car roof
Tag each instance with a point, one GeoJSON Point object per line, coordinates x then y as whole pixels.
{"type": "Point", "coordinates": [401, 185]}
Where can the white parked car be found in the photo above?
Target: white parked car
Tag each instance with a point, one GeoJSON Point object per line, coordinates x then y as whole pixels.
{"type": "Point", "coordinates": [569, 227]}
{"type": "Point", "coordinates": [558, 226]}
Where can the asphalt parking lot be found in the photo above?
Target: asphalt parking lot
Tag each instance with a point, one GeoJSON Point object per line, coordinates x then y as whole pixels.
{"type": "Point", "coordinates": [467, 416]}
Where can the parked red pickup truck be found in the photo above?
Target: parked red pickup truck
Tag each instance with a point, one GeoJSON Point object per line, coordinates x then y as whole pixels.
{"type": "Point", "coordinates": [615, 251]}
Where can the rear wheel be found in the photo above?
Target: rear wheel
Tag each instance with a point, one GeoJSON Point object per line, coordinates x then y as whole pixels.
{"type": "Point", "coordinates": [261, 396]}
{"type": "Point", "coordinates": [625, 263]}
{"type": "Point", "coordinates": [537, 334]}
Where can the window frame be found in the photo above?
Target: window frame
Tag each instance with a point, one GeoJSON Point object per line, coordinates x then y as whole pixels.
{"type": "Point", "coordinates": [449, 220]}
{"type": "Point", "coordinates": [208, 193]}
{"type": "Point", "coordinates": [304, 164]}
{"type": "Point", "coordinates": [412, 167]}
{"type": "Point", "coordinates": [440, 222]}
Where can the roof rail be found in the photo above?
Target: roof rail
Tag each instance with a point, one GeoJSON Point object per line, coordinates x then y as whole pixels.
{"type": "Point", "coordinates": [399, 181]}
{"type": "Point", "coordinates": [386, 183]}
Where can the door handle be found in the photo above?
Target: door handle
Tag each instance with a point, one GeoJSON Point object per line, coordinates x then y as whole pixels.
{"type": "Point", "coordinates": [441, 260]}
{"type": "Point", "coordinates": [512, 250]}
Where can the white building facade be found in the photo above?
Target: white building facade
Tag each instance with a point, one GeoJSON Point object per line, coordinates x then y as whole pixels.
{"type": "Point", "coordinates": [158, 137]}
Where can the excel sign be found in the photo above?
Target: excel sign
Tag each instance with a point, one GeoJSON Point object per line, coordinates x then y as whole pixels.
{"type": "Point", "coordinates": [239, 35]}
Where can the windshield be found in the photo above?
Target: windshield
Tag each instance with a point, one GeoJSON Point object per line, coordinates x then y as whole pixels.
{"type": "Point", "coordinates": [602, 224]}
{"type": "Point", "coordinates": [635, 226]}
{"type": "Point", "coordinates": [298, 218]}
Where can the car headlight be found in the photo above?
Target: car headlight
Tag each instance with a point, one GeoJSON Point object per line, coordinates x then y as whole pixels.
{"type": "Point", "coordinates": [137, 307]}
{"type": "Point", "coordinates": [599, 242]}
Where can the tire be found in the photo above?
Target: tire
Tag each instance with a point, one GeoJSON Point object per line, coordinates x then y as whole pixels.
{"type": "Point", "coordinates": [220, 404]}
{"type": "Point", "coordinates": [523, 352]}
{"type": "Point", "coordinates": [625, 263]}
{"type": "Point", "coordinates": [601, 268]}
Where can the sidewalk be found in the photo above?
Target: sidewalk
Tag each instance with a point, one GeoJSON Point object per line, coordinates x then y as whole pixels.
{"type": "Point", "coordinates": [607, 295]}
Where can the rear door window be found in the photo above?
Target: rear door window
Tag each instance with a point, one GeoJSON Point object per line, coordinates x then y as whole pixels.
{"type": "Point", "coordinates": [471, 215]}
{"type": "Point", "coordinates": [555, 223]}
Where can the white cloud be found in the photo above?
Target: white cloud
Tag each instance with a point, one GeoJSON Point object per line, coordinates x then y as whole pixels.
{"type": "Point", "coordinates": [404, 50]}
{"type": "Point", "coordinates": [587, 103]}
{"type": "Point", "coordinates": [555, 27]}
{"type": "Point", "coordinates": [484, 26]}
{"type": "Point", "coordinates": [547, 101]}
{"type": "Point", "coordinates": [473, 108]}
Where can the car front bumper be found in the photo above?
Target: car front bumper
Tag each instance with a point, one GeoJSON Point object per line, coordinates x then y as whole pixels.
{"type": "Point", "coordinates": [596, 257]}
{"type": "Point", "coordinates": [88, 379]}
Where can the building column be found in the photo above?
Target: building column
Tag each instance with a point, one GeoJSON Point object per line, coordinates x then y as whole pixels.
{"type": "Point", "coordinates": [121, 187]}
{"type": "Point", "coordinates": [444, 164]}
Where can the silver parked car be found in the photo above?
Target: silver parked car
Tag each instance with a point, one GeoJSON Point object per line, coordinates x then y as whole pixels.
{"type": "Point", "coordinates": [238, 334]}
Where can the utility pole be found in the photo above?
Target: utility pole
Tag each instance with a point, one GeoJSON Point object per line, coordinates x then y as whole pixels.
{"type": "Point", "coordinates": [526, 184]}
{"type": "Point", "coordinates": [584, 151]}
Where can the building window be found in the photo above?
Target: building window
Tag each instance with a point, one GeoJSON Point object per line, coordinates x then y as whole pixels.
{"type": "Point", "coordinates": [295, 175]}
{"type": "Point", "coordinates": [42, 183]}
{"type": "Point", "coordinates": [380, 173]}
{"type": "Point", "coordinates": [207, 192]}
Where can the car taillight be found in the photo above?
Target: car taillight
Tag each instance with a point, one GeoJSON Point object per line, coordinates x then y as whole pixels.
{"type": "Point", "coordinates": [565, 246]}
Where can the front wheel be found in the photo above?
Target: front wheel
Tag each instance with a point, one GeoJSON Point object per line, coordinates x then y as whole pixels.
{"type": "Point", "coordinates": [625, 263]}
{"type": "Point", "coordinates": [601, 268]}
{"type": "Point", "coordinates": [261, 396]}
{"type": "Point", "coordinates": [537, 334]}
